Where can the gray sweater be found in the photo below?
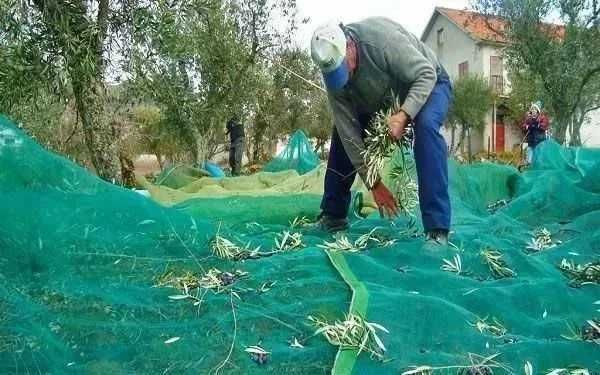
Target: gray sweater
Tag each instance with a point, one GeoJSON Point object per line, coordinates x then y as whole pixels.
{"type": "Point", "coordinates": [391, 61]}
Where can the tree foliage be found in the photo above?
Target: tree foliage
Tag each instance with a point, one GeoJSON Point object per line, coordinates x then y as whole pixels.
{"type": "Point", "coordinates": [104, 80]}
{"type": "Point", "coordinates": [564, 59]}
{"type": "Point", "coordinates": [288, 102]}
{"type": "Point", "coordinates": [472, 100]}
{"type": "Point", "coordinates": [200, 61]}
{"type": "Point", "coordinates": [525, 90]}
{"type": "Point", "coordinates": [59, 50]}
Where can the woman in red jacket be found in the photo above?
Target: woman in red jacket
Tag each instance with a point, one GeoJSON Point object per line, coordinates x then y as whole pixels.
{"type": "Point", "coordinates": [536, 124]}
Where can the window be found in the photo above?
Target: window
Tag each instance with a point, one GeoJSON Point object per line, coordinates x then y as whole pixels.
{"type": "Point", "coordinates": [463, 69]}
{"type": "Point", "coordinates": [440, 37]}
{"type": "Point", "coordinates": [497, 74]}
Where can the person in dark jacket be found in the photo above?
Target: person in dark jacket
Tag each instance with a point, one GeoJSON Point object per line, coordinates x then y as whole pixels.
{"type": "Point", "coordinates": [363, 64]}
{"type": "Point", "coordinates": [535, 126]}
{"type": "Point", "coordinates": [235, 129]}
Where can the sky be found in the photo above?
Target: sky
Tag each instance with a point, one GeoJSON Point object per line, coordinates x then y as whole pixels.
{"type": "Point", "coordinates": [413, 15]}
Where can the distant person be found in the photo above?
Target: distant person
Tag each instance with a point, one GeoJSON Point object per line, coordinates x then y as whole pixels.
{"type": "Point", "coordinates": [535, 126]}
{"type": "Point", "coordinates": [237, 139]}
{"type": "Point", "coordinates": [363, 64]}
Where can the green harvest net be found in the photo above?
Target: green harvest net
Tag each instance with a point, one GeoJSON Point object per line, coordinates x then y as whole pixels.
{"type": "Point", "coordinates": [82, 265]}
{"type": "Point", "coordinates": [297, 155]}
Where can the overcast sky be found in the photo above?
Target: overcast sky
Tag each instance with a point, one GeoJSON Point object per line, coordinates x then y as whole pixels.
{"type": "Point", "coordinates": [413, 15]}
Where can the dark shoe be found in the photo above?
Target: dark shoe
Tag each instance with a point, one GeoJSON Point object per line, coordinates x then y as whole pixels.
{"type": "Point", "coordinates": [331, 224]}
{"type": "Point", "coordinates": [436, 238]}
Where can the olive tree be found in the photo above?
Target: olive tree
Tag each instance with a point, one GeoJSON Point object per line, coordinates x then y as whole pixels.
{"type": "Point", "coordinates": [473, 98]}
{"type": "Point", "coordinates": [564, 59]}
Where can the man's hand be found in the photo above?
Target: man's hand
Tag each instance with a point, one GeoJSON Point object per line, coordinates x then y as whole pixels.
{"type": "Point", "coordinates": [385, 200]}
{"type": "Point", "coordinates": [397, 124]}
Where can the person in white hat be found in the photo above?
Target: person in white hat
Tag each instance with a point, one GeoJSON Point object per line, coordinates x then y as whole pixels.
{"type": "Point", "coordinates": [535, 126]}
{"type": "Point", "coordinates": [365, 64]}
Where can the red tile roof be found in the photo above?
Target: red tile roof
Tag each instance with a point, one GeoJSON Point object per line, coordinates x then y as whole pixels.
{"type": "Point", "coordinates": [477, 25]}
{"type": "Point", "coordinates": [487, 28]}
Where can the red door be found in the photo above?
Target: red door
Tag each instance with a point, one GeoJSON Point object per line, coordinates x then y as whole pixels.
{"type": "Point", "coordinates": [499, 137]}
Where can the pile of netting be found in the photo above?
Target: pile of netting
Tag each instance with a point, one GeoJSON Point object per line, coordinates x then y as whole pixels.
{"type": "Point", "coordinates": [297, 155]}
{"type": "Point", "coordinates": [98, 279]}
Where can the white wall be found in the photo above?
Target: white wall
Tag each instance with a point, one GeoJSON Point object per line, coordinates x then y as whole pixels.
{"type": "Point", "coordinates": [487, 51]}
{"type": "Point", "coordinates": [590, 132]}
{"type": "Point", "coordinates": [458, 47]}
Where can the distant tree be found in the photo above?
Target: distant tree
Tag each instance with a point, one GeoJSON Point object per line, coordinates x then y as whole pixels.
{"type": "Point", "coordinates": [321, 124]}
{"type": "Point", "coordinates": [565, 60]}
{"type": "Point", "coordinates": [199, 61]}
{"type": "Point", "coordinates": [473, 98]}
{"type": "Point", "coordinates": [525, 90]}
{"type": "Point", "coordinates": [61, 47]}
{"type": "Point", "coordinates": [289, 102]}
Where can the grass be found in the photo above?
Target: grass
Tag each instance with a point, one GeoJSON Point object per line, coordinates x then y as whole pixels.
{"type": "Point", "coordinates": [478, 365]}
{"type": "Point", "coordinates": [540, 241]}
{"type": "Point", "coordinates": [491, 326]}
{"type": "Point", "coordinates": [287, 240]}
{"type": "Point", "coordinates": [589, 332]}
{"type": "Point", "coordinates": [215, 280]}
{"type": "Point", "coordinates": [225, 249]}
{"type": "Point", "coordinates": [495, 206]}
{"type": "Point", "coordinates": [343, 243]}
{"type": "Point", "coordinates": [579, 274]}
{"type": "Point", "coordinates": [299, 222]}
{"type": "Point", "coordinates": [496, 264]}
{"type": "Point", "coordinates": [404, 187]}
{"type": "Point", "coordinates": [571, 370]}
{"type": "Point", "coordinates": [352, 333]}
{"type": "Point", "coordinates": [379, 146]}
{"type": "Point", "coordinates": [454, 266]}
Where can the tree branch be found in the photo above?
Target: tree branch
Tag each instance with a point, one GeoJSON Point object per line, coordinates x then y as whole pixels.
{"type": "Point", "coordinates": [588, 110]}
{"type": "Point", "coordinates": [586, 79]}
{"type": "Point", "coordinates": [595, 13]}
{"type": "Point", "coordinates": [102, 22]}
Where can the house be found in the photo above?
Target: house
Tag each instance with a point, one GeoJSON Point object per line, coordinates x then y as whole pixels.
{"type": "Point", "coordinates": [467, 42]}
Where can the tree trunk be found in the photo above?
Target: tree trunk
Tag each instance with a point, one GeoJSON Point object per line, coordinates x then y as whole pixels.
{"type": "Point", "coordinates": [320, 147]}
{"type": "Point", "coordinates": [575, 136]}
{"type": "Point", "coordinates": [452, 138]}
{"type": "Point", "coordinates": [98, 135]}
{"type": "Point", "coordinates": [127, 170]}
{"type": "Point", "coordinates": [200, 147]}
{"type": "Point", "coordinates": [159, 159]}
{"type": "Point", "coordinates": [559, 127]}
{"type": "Point", "coordinates": [469, 146]}
{"type": "Point", "coordinates": [461, 139]}
{"type": "Point", "coordinates": [258, 149]}
{"type": "Point", "coordinates": [68, 22]}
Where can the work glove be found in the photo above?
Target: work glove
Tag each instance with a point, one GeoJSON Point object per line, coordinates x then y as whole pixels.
{"type": "Point", "coordinates": [385, 200]}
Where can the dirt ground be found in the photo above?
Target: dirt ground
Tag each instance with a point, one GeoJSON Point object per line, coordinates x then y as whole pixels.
{"type": "Point", "coordinates": [146, 164]}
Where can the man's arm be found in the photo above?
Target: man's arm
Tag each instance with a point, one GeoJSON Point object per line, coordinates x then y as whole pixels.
{"type": "Point", "coordinates": [349, 131]}
{"type": "Point", "coordinates": [407, 64]}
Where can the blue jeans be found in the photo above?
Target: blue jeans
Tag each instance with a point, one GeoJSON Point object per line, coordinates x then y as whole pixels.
{"type": "Point", "coordinates": [431, 154]}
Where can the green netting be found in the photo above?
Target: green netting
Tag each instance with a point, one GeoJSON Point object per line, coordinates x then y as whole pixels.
{"type": "Point", "coordinates": [177, 176]}
{"type": "Point", "coordinates": [297, 155]}
{"type": "Point", "coordinates": [80, 263]}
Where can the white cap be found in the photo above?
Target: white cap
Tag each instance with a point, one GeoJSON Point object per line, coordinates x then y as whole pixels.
{"type": "Point", "coordinates": [328, 51]}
